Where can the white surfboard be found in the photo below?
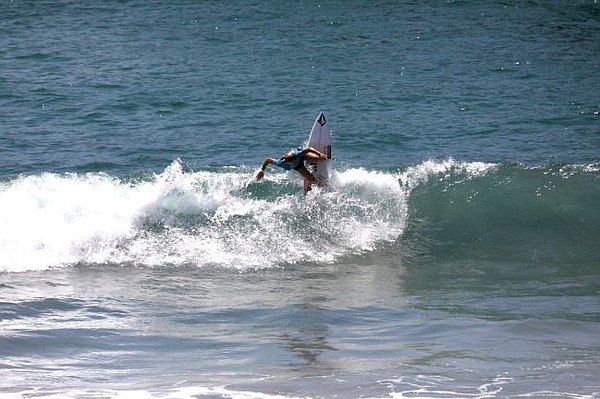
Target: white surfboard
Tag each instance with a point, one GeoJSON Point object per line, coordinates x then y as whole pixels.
{"type": "Point", "coordinates": [319, 138]}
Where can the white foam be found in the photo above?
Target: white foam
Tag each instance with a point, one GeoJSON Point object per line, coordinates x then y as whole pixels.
{"type": "Point", "coordinates": [51, 220]}
{"type": "Point", "coordinates": [422, 173]}
{"type": "Point", "coordinates": [428, 387]}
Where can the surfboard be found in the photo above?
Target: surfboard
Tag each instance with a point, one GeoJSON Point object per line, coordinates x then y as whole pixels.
{"type": "Point", "coordinates": [319, 138]}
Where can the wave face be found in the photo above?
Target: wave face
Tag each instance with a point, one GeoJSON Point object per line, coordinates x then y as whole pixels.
{"type": "Point", "coordinates": [509, 213]}
{"type": "Point", "coordinates": [221, 217]}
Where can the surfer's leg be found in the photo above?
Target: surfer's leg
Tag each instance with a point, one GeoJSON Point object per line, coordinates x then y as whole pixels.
{"type": "Point", "coordinates": [306, 174]}
{"type": "Point", "coordinates": [309, 178]}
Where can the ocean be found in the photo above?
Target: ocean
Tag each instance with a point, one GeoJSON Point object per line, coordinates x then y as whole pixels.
{"type": "Point", "coordinates": [454, 253]}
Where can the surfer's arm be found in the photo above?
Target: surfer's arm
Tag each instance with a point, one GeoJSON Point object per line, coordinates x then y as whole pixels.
{"type": "Point", "coordinates": [313, 153]}
{"type": "Point", "coordinates": [261, 172]}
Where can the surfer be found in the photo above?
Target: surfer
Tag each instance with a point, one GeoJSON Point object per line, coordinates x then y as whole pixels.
{"type": "Point", "coordinates": [294, 160]}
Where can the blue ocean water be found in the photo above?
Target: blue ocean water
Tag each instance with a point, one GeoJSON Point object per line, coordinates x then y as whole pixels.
{"type": "Point", "coordinates": [453, 255]}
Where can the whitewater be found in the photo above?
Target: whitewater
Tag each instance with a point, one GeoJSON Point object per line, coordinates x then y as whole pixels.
{"type": "Point", "coordinates": [218, 217]}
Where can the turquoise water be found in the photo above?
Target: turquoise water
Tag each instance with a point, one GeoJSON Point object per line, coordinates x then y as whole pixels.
{"type": "Point", "coordinates": [453, 255]}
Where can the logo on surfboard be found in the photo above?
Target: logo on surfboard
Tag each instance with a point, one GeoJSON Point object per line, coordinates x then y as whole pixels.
{"type": "Point", "coordinates": [322, 119]}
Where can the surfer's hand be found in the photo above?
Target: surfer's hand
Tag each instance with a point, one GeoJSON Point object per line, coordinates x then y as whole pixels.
{"type": "Point", "coordinates": [260, 175]}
